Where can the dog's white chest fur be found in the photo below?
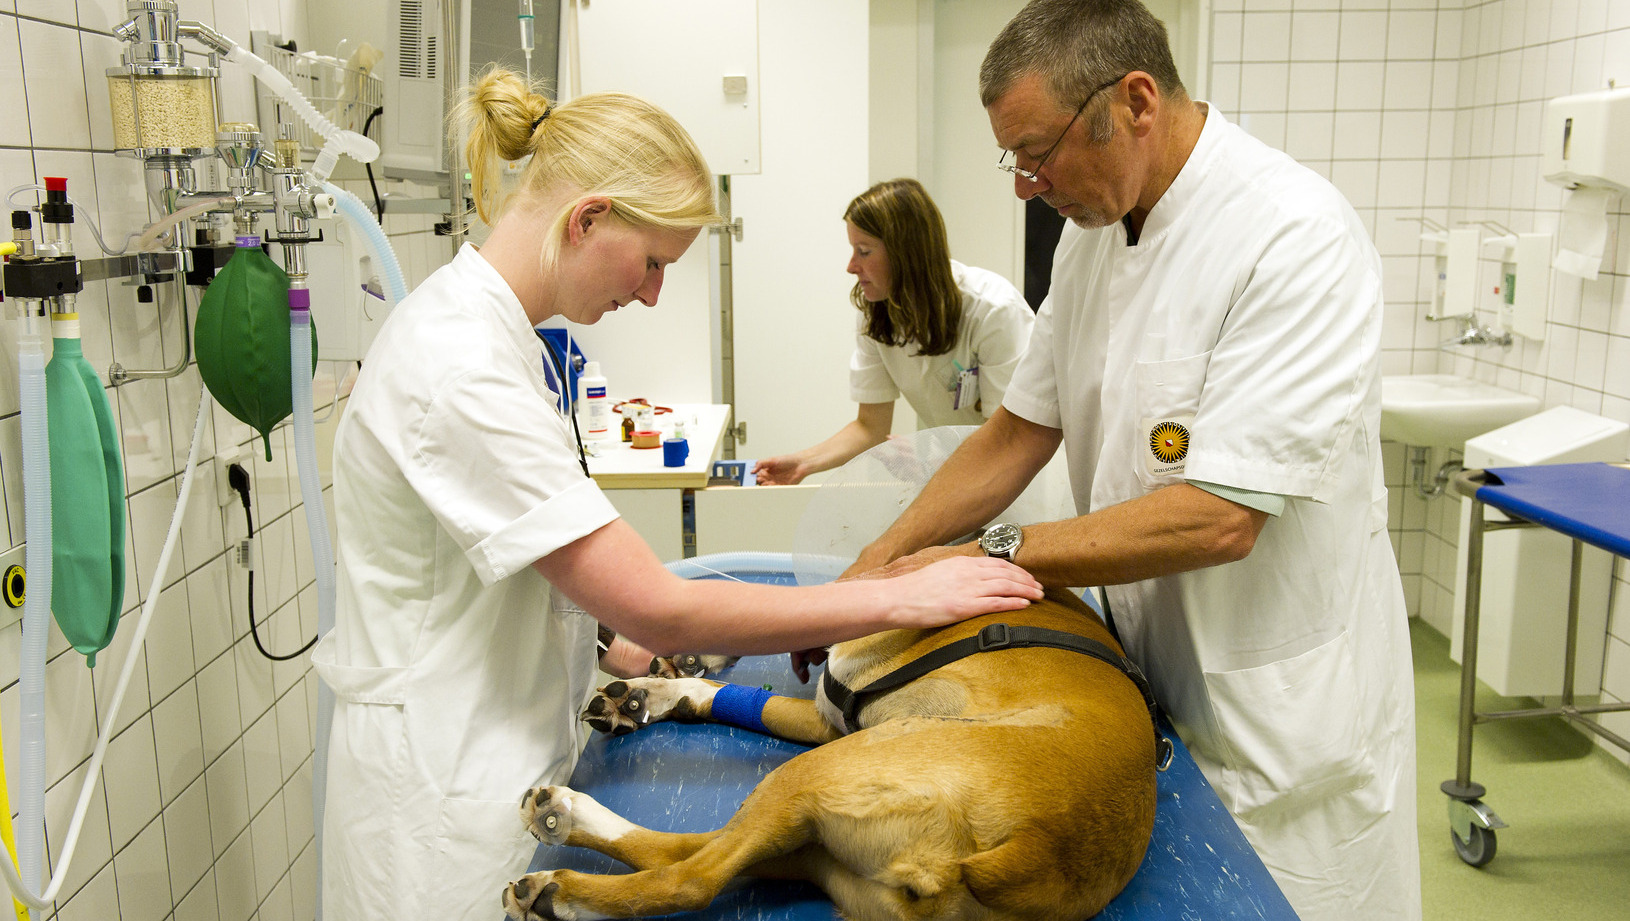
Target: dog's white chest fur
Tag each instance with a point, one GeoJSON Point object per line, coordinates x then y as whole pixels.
{"type": "Point", "coordinates": [843, 669]}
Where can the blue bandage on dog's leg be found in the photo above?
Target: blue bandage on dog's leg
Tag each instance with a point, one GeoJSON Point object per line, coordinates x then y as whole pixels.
{"type": "Point", "coordinates": [740, 705]}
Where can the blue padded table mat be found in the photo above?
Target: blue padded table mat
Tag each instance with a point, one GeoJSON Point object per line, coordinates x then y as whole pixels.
{"type": "Point", "coordinates": [693, 777]}
{"type": "Point", "coordinates": [1588, 502]}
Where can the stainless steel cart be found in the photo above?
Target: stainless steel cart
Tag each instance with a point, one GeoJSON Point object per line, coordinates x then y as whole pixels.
{"type": "Point", "coordinates": [1589, 503]}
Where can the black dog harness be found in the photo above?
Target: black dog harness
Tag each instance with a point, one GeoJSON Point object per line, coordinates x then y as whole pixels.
{"type": "Point", "coordinates": [993, 637]}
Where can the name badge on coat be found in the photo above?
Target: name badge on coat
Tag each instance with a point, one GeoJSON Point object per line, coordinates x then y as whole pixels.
{"type": "Point", "coordinates": [1166, 448]}
{"type": "Point", "coordinates": [965, 392]}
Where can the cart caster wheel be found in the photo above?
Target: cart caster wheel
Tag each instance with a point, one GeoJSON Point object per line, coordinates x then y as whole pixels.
{"type": "Point", "coordinates": [1479, 849]}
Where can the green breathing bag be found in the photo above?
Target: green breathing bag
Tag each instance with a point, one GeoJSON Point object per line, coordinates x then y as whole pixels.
{"type": "Point", "coordinates": [87, 502]}
{"type": "Point", "coordinates": [241, 339]}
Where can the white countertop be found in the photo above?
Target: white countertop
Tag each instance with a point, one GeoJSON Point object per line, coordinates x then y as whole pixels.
{"type": "Point", "coordinates": [615, 464]}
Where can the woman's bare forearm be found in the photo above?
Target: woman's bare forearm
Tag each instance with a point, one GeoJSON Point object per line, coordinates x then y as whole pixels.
{"type": "Point", "coordinates": [665, 614]}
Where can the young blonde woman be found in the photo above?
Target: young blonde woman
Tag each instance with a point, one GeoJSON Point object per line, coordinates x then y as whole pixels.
{"type": "Point", "coordinates": [465, 522]}
{"type": "Point", "coordinates": [947, 336]}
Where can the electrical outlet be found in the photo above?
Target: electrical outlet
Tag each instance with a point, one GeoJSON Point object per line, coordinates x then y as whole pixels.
{"type": "Point", "coordinates": [14, 582]}
{"type": "Point", "coordinates": [224, 495]}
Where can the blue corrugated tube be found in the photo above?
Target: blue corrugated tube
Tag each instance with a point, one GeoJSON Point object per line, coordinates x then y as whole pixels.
{"type": "Point", "coordinates": [322, 549]}
{"type": "Point", "coordinates": [379, 246]}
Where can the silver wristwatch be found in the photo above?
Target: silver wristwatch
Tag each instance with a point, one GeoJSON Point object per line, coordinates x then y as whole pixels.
{"type": "Point", "coordinates": [1001, 540]}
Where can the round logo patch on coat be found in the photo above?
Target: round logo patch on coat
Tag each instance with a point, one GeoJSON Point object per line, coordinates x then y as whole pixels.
{"type": "Point", "coordinates": [1169, 442]}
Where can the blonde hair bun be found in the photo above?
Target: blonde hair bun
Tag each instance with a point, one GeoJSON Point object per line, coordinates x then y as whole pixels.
{"type": "Point", "coordinates": [614, 145]}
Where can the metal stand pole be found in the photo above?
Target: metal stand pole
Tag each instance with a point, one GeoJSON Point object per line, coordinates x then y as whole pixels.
{"type": "Point", "coordinates": [726, 381]}
{"type": "Point", "coordinates": [455, 228]}
{"type": "Point", "coordinates": [1572, 653]}
{"type": "Point", "coordinates": [1462, 787]}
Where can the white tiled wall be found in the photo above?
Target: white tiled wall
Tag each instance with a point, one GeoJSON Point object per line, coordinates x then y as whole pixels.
{"type": "Point", "coordinates": [203, 808]}
{"type": "Point", "coordinates": [1431, 108]}
{"type": "Point", "coordinates": [1414, 108]}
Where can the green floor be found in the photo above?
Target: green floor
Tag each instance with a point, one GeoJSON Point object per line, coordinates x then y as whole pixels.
{"type": "Point", "coordinates": [1566, 854]}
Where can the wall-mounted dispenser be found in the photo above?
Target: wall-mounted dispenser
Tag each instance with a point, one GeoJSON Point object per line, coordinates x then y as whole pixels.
{"type": "Point", "coordinates": [1531, 295]}
{"type": "Point", "coordinates": [1587, 140]}
{"type": "Point", "coordinates": [1585, 147]}
{"type": "Point", "coordinates": [1460, 273]}
{"type": "Point", "coordinates": [1525, 281]}
{"type": "Point", "coordinates": [1436, 236]}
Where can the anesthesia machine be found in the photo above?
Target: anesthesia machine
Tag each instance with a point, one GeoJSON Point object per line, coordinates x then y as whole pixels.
{"type": "Point", "coordinates": [254, 346]}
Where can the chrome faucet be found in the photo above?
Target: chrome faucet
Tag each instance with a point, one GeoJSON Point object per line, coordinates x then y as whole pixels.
{"type": "Point", "coordinates": [1472, 333]}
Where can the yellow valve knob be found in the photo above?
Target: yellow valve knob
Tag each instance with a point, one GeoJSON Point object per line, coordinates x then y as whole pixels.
{"type": "Point", "coordinates": [7, 248]}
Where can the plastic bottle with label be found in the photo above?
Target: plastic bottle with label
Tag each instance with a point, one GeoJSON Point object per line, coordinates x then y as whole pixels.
{"type": "Point", "coordinates": [597, 416]}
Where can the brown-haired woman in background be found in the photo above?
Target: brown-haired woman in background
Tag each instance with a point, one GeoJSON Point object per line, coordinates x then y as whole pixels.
{"type": "Point", "coordinates": [945, 335]}
{"type": "Point", "coordinates": [465, 522]}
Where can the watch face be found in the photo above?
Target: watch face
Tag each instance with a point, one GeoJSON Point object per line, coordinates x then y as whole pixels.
{"type": "Point", "coordinates": [1001, 539]}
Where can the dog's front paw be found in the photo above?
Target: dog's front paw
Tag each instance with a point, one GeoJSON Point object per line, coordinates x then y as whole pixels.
{"type": "Point", "coordinates": [690, 665]}
{"type": "Point", "coordinates": [536, 897]}
{"type": "Point", "coordinates": [624, 706]}
{"type": "Point", "coordinates": [619, 708]}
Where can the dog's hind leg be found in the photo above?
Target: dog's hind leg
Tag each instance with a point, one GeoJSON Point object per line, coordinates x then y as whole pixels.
{"type": "Point", "coordinates": [1023, 879]}
{"type": "Point", "coordinates": [872, 822]}
{"type": "Point", "coordinates": [862, 898]}
{"type": "Point", "coordinates": [560, 815]}
{"type": "Point", "coordinates": [774, 821]}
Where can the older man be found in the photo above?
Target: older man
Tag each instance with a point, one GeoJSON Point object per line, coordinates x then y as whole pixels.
{"type": "Point", "coordinates": [1208, 356]}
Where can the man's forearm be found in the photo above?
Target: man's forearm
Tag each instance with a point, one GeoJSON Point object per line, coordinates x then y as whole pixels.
{"type": "Point", "coordinates": [1175, 529]}
{"type": "Point", "coordinates": [977, 481]}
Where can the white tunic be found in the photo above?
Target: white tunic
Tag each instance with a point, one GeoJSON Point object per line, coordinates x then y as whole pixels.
{"type": "Point", "coordinates": [458, 681]}
{"type": "Point", "coordinates": [1237, 343]}
{"type": "Point", "coordinates": [995, 328]}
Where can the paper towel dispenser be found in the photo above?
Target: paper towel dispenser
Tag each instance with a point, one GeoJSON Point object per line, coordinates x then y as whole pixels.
{"type": "Point", "coordinates": [1586, 140]}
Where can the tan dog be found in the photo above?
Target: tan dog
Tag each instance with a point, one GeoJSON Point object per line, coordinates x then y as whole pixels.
{"type": "Point", "coordinates": [1017, 783]}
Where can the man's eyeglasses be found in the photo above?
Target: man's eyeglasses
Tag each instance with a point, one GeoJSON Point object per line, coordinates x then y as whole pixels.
{"type": "Point", "coordinates": [1030, 174]}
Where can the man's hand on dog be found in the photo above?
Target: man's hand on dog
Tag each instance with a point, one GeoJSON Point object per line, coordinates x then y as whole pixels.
{"type": "Point", "coordinates": [804, 659]}
{"type": "Point", "coordinates": [927, 557]}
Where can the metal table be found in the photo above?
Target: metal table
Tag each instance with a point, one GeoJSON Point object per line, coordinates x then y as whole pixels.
{"type": "Point", "coordinates": [1589, 503]}
{"type": "Point", "coordinates": [693, 777]}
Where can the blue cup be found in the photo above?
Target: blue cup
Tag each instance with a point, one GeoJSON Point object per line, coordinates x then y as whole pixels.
{"type": "Point", "coordinates": [674, 452]}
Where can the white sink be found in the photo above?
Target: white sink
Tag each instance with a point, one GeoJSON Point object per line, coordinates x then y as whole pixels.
{"type": "Point", "coordinates": [1443, 410]}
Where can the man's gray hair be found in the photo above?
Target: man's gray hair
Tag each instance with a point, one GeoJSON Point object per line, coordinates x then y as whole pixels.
{"type": "Point", "coordinates": [1076, 46]}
